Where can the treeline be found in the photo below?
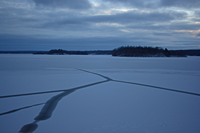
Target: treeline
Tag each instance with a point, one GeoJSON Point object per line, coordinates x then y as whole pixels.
{"type": "Point", "coordinates": [17, 52]}
{"type": "Point", "coordinates": [99, 52]}
{"type": "Point", "coordinates": [194, 52]}
{"type": "Point", "coordinates": [62, 52]}
{"type": "Point", "coordinates": [65, 52]}
{"type": "Point", "coordinates": [129, 51]}
{"type": "Point", "coordinates": [139, 51]}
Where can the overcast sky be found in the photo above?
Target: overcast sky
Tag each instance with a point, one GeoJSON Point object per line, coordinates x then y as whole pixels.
{"type": "Point", "coordinates": [98, 24]}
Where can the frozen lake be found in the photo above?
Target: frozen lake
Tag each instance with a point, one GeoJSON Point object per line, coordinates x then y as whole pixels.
{"type": "Point", "coordinates": [99, 94]}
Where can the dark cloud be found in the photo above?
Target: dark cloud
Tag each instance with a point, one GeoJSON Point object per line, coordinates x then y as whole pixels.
{"type": "Point", "coordinates": [158, 3]}
{"type": "Point", "coordinates": [72, 4]}
{"type": "Point", "coordinates": [197, 13]}
{"type": "Point", "coordinates": [184, 26]}
{"type": "Point", "coordinates": [63, 24]}
{"type": "Point", "coordinates": [196, 19]}
{"type": "Point", "coordinates": [25, 42]}
{"type": "Point", "coordinates": [181, 3]}
{"type": "Point", "coordinates": [17, 17]}
{"type": "Point", "coordinates": [19, 42]}
{"type": "Point", "coordinates": [198, 35]}
{"type": "Point", "coordinates": [131, 17]}
{"type": "Point", "coordinates": [162, 34]}
{"type": "Point", "coordinates": [122, 18]}
{"type": "Point", "coordinates": [136, 3]}
{"type": "Point", "coordinates": [167, 27]}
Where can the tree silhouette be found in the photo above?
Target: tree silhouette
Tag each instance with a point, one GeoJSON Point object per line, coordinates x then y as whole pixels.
{"type": "Point", "coordinates": [139, 51]}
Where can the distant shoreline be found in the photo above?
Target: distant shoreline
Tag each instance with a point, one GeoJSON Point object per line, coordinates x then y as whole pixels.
{"type": "Point", "coordinates": [189, 52]}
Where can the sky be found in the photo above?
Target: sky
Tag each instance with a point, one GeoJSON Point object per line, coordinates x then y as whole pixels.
{"type": "Point", "coordinates": [98, 24]}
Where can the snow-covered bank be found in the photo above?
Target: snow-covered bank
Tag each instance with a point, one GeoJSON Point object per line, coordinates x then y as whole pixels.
{"type": "Point", "coordinates": [105, 107]}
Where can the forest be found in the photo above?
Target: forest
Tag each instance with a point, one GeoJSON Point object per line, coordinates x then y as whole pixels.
{"type": "Point", "coordinates": [139, 51]}
{"type": "Point", "coordinates": [126, 51]}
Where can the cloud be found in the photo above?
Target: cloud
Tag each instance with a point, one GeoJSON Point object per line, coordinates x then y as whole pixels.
{"type": "Point", "coordinates": [197, 13]}
{"type": "Point", "coordinates": [135, 3]}
{"type": "Point", "coordinates": [117, 20]}
{"type": "Point", "coordinates": [162, 34]}
{"type": "Point", "coordinates": [130, 17]}
{"type": "Point", "coordinates": [110, 24]}
{"type": "Point", "coordinates": [158, 3]}
{"type": "Point", "coordinates": [166, 27]}
{"type": "Point", "coordinates": [72, 4]}
{"type": "Point", "coordinates": [180, 3]}
{"type": "Point", "coordinates": [25, 42]}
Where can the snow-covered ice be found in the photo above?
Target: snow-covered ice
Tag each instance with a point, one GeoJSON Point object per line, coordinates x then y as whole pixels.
{"type": "Point", "coordinates": [96, 103]}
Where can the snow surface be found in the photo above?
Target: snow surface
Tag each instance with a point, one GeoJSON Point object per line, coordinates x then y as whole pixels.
{"type": "Point", "coordinates": [94, 104]}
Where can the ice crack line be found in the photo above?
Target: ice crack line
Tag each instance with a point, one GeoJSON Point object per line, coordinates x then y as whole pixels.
{"type": "Point", "coordinates": [107, 79]}
{"type": "Point", "coordinates": [51, 104]}
{"type": "Point", "coordinates": [157, 87]}
{"type": "Point", "coordinates": [151, 86]}
{"type": "Point", "coordinates": [35, 93]}
{"type": "Point", "coordinates": [15, 110]}
{"type": "Point", "coordinates": [44, 92]}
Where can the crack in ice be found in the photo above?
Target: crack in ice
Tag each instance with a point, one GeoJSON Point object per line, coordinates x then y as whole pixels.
{"type": "Point", "coordinates": [146, 85]}
{"type": "Point", "coordinates": [50, 105]}
{"type": "Point", "coordinates": [15, 110]}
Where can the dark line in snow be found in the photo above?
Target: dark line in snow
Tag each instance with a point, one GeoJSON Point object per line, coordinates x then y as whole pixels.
{"type": "Point", "coordinates": [15, 110]}
{"type": "Point", "coordinates": [51, 104]}
{"type": "Point", "coordinates": [44, 92]}
{"type": "Point", "coordinates": [109, 79]}
{"type": "Point", "coordinates": [47, 110]}
{"type": "Point", "coordinates": [157, 87]}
